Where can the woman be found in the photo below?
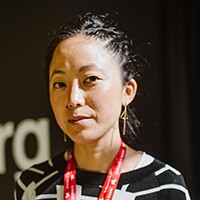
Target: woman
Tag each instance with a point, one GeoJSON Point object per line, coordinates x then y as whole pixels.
{"type": "Point", "coordinates": [92, 73]}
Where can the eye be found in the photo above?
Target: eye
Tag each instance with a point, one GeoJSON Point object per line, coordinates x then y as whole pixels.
{"type": "Point", "coordinates": [58, 85]}
{"type": "Point", "coordinates": [91, 79]}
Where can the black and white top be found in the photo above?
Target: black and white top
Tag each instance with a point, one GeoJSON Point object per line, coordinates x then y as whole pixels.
{"type": "Point", "coordinates": [150, 180]}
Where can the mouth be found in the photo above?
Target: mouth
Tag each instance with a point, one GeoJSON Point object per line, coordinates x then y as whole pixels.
{"type": "Point", "coordinates": [78, 119]}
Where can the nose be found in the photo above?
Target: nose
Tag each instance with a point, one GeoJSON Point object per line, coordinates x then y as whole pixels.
{"type": "Point", "coordinates": [75, 96]}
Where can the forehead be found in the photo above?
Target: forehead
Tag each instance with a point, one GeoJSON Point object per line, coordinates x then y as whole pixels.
{"type": "Point", "coordinates": [82, 50]}
{"type": "Point", "coordinates": [78, 52]}
{"type": "Point", "coordinates": [81, 44]}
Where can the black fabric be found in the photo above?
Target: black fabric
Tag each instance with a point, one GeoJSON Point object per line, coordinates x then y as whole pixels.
{"type": "Point", "coordinates": [154, 181]}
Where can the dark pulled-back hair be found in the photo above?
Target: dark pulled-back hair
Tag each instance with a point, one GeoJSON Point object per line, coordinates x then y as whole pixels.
{"type": "Point", "coordinates": [102, 27]}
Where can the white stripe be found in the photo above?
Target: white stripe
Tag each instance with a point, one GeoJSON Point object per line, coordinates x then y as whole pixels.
{"type": "Point", "coordinates": [46, 196]}
{"type": "Point", "coordinates": [36, 170]}
{"type": "Point", "coordinates": [124, 187]}
{"type": "Point", "coordinates": [15, 195]}
{"type": "Point", "coordinates": [164, 187]}
{"type": "Point", "coordinates": [146, 192]}
{"type": "Point", "coordinates": [50, 162]}
{"type": "Point", "coordinates": [21, 184]}
{"type": "Point", "coordinates": [167, 167]}
{"type": "Point", "coordinates": [174, 170]}
{"type": "Point", "coordinates": [46, 178]}
{"type": "Point", "coordinates": [178, 187]}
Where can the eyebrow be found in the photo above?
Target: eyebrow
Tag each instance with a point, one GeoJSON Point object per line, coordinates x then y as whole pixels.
{"type": "Point", "coordinates": [57, 71]}
{"type": "Point", "coordinates": [92, 66]}
{"type": "Point", "coordinates": [83, 68]}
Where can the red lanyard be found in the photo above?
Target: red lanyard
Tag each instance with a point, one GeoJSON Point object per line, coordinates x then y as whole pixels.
{"type": "Point", "coordinates": [110, 183]}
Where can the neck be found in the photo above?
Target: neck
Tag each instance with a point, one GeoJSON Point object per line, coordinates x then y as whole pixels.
{"type": "Point", "coordinates": [97, 156]}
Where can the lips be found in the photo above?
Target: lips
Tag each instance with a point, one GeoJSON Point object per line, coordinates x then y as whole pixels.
{"type": "Point", "coordinates": [78, 119]}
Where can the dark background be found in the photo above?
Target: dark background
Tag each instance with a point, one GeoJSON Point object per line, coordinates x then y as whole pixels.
{"type": "Point", "coordinates": [168, 100]}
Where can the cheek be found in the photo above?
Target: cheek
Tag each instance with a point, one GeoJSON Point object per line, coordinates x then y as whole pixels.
{"type": "Point", "coordinates": [58, 111]}
{"type": "Point", "coordinates": [108, 102]}
{"type": "Point", "coordinates": [56, 104]}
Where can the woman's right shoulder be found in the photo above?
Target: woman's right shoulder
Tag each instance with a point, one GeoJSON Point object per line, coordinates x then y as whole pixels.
{"type": "Point", "coordinates": [28, 182]}
{"type": "Point", "coordinates": [37, 171]}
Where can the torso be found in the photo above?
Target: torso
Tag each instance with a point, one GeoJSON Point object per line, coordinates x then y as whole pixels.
{"type": "Point", "coordinates": [144, 182]}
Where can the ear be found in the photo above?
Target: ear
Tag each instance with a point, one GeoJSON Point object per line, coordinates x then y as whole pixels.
{"type": "Point", "coordinates": [129, 91]}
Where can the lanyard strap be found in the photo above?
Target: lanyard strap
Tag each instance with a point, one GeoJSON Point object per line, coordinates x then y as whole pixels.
{"type": "Point", "coordinates": [70, 179]}
{"type": "Point", "coordinates": [110, 183]}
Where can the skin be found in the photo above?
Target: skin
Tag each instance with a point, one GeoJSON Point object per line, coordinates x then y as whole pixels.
{"type": "Point", "coordinates": [86, 95]}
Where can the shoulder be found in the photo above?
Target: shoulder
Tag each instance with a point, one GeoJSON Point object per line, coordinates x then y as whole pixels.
{"type": "Point", "coordinates": [170, 181]}
{"type": "Point", "coordinates": [31, 178]}
{"type": "Point", "coordinates": [52, 165]}
{"type": "Point", "coordinates": [153, 178]}
{"type": "Point", "coordinates": [161, 170]}
{"type": "Point", "coordinates": [167, 174]}
{"type": "Point", "coordinates": [162, 177]}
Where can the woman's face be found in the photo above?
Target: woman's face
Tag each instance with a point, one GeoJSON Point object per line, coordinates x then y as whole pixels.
{"type": "Point", "coordinates": [86, 90]}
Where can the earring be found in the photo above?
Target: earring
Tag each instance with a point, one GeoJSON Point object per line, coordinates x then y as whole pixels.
{"type": "Point", "coordinates": [124, 116]}
{"type": "Point", "coordinates": [65, 137]}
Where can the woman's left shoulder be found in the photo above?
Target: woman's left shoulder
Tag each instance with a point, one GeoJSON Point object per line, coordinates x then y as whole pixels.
{"type": "Point", "coordinates": [168, 173]}
{"type": "Point", "coordinates": [162, 171]}
{"type": "Point", "coordinates": [170, 181]}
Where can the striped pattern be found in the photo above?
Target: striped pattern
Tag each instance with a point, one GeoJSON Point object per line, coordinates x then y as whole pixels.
{"type": "Point", "coordinates": [155, 181]}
